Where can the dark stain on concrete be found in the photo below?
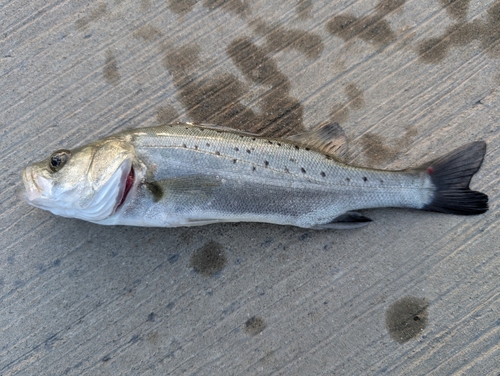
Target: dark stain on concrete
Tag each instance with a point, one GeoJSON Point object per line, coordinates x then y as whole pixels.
{"type": "Point", "coordinates": [92, 16]}
{"type": "Point", "coordinates": [434, 50]}
{"type": "Point", "coordinates": [217, 100]}
{"type": "Point", "coordinates": [110, 71]}
{"type": "Point", "coordinates": [145, 5]}
{"type": "Point", "coordinates": [181, 7]}
{"type": "Point", "coordinates": [279, 38]}
{"type": "Point", "coordinates": [151, 317]}
{"type": "Point", "coordinates": [355, 95]}
{"type": "Point", "coordinates": [166, 115]}
{"type": "Point", "coordinates": [406, 318]}
{"type": "Point", "coordinates": [255, 325]}
{"type": "Point", "coordinates": [456, 8]}
{"type": "Point", "coordinates": [239, 7]}
{"type": "Point", "coordinates": [372, 29]}
{"type": "Point", "coordinates": [304, 9]}
{"type": "Point", "coordinates": [386, 6]}
{"type": "Point", "coordinates": [147, 33]}
{"type": "Point", "coordinates": [377, 152]}
{"type": "Point", "coordinates": [209, 259]}
{"type": "Point", "coordinates": [339, 113]}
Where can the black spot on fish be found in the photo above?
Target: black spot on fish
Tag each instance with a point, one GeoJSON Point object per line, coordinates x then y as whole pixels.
{"type": "Point", "coordinates": [365, 179]}
{"type": "Point", "coordinates": [151, 317]}
{"type": "Point", "coordinates": [406, 318]}
{"type": "Point", "coordinates": [248, 151]}
{"type": "Point", "coordinates": [155, 189]}
{"type": "Point", "coordinates": [297, 147]}
{"type": "Point", "coordinates": [234, 160]}
{"type": "Point", "coordinates": [255, 325]}
{"type": "Point", "coordinates": [270, 142]}
{"type": "Point", "coordinates": [308, 149]}
{"type": "Point", "coordinates": [323, 174]}
{"type": "Point", "coordinates": [303, 170]}
{"type": "Point", "coordinates": [184, 145]}
{"type": "Point", "coordinates": [253, 168]}
{"type": "Point", "coordinates": [208, 145]}
{"type": "Point", "coordinates": [266, 163]}
{"type": "Point", "coordinates": [195, 147]}
{"type": "Point", "coordinates": [236, 149]}
{"type": "Point", "coordinates": [278, 144]}
{"type": "Point", "coordinates": [286, 170]}
{"type": "Point", "coordinates": [347, 180]}
{"type": "Point", "coordinates": [209, 259]}
{"type": "Point", "coordinates": [381, 181]}
{"type": "Point", "coordinates": [217, 152]}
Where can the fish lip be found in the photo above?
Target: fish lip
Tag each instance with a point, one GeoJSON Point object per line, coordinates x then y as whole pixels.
{"type": "Point", "coordinates": [127, 181]}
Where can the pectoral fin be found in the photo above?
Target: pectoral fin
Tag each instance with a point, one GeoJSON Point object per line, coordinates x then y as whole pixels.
{"type": "Point", "coordinates": [347, 221]}
{"type": "Point", "coordinates": [328, 138]}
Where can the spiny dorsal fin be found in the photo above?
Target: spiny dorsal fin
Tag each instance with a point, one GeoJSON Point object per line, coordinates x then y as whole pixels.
{"type": "Point", "coordinates": [328, 138]}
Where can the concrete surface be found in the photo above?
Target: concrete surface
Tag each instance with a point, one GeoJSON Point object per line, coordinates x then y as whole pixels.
{"type": "Point", "coordinates": [414, 293]}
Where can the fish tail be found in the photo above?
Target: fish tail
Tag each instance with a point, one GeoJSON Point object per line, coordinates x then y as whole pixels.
{"type": "Point", "coordinates": [451, 175]}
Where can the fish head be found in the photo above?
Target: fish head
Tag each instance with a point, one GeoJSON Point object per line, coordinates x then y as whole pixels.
{"type": "Point", "coordinates": [88, 183]}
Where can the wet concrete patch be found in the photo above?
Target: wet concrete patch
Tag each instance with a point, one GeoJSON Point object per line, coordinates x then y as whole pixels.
{"type": "Point", "coordinates": [378, 152]}
{"type": "Point", "coordinates": [209, 259]}
{"type": "Point", "coordinates": [217, 100]}
{"type": "Point", "coordinates": [434, 50]}
{"type": "Point", "coordinates": [110, 70]}
{"type": "Point", "coordinates": [406, 318]}
{"type": "Point", "coordinates": [372, 29]}
{"type": "Point", "coordinates": [93, 15]}
{"type": "Point", "coordinates": [255, 325]}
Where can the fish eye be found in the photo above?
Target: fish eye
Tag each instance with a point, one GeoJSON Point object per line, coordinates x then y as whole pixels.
{"type": "Point", "coordinates": [58, 159]}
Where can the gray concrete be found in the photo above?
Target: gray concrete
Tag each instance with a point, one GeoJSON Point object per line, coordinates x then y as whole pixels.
{"type": "Point", "coordinates": [408, 81]}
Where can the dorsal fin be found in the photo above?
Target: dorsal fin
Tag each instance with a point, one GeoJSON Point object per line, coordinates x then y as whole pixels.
{"type": "Point", "coordinates": [328, 138]}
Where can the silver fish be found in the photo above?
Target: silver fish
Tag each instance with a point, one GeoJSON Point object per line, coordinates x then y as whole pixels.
{"type": "Point", "coordinates": [187, 174]}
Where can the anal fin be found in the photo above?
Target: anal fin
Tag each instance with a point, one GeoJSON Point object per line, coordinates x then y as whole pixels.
{"type": "Point", "coordinates": [346, 221]}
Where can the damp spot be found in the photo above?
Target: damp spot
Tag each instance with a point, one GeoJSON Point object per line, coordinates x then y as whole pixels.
{"type": "Point", "coordinates": [93, 15]}
{"type": "Point", "coordinates": [406, 318]}
{"type": "Point", "coordinates": [372, 29]}
{"type": "Point", "coordinates": [376, 150]}
{"type": "Point", "coordinates": [147, 33]}
{"type": "Point", "coordinates": [152, 337]}
{"type": "Point", "coordinates": [217, 100]}
{"type": "Point", "coordinates": [339, 113]}
{"type": "Point", "coordinates": [239, 7]}
{"type": "Point", "coordinates": [355, 95]}
{"type": "Point", "coordinates": [155, 189]}
{"type": "Point", "coordinates": [386, 6]}
{"type": "Point", "coordinates": [181, 7]}
{"type": "Point", "coordinates": [166, 115]}
{"type": "Point", "coordinates": [145, 5]}
{"type": "Point", "coordinates": [255, 325]}
{"type": "Point", "coordinates": [304, 9]}
{"type": "Point", "coordinates": [110, 71]}
{"type": "Point", "coordinates": [456, 8]}
{"type": "Point", "coordinates": [209, 259]}
{"type": "Point", "coordinates": [279, 38]}
{"type": "Point", "coordinates": [487, 32]}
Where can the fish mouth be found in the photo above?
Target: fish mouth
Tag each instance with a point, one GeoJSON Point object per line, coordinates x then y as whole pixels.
{"type": "Point", "coordinates": [128, 184]}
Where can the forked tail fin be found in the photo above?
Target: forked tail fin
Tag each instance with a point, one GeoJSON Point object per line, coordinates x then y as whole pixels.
{"type": "Point", "coordinates": [451, 175]}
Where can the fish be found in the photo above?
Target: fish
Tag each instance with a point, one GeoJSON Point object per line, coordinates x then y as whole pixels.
{"type": "Point", "coordinates": [187, 174]}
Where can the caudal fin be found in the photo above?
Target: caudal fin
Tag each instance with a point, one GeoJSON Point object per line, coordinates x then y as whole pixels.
{"type": "Point", "coordinates": [451, 175]}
